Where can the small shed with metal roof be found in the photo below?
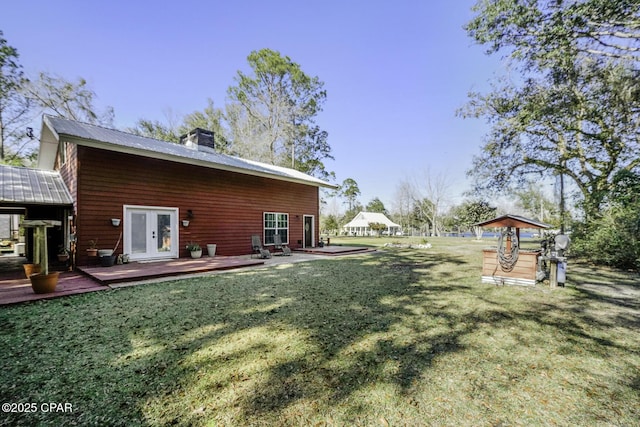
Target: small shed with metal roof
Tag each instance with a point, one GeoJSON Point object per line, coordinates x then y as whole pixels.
{"type": "Point", "coordinates": [33, 194]}
{"type": "Point", "coordinates": [508, 264]}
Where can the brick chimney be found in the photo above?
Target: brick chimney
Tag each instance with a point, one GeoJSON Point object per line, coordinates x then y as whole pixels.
{"type": "Point", "coordinates": [198, 139]}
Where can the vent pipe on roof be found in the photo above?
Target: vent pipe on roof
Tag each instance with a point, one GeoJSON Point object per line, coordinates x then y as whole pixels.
{"type": "Point", "coordinates": [198, 139]}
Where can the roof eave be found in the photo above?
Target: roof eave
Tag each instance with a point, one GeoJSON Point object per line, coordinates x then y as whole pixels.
{"type": "Point", "coordinates": [190, 161]}
{"type": "Point", "coordinates": [512, 221]}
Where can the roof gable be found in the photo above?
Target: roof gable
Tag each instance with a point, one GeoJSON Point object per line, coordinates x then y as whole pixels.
{"type": "Point", "coordinates": [363, 219]}
{"type": "Point", "coordinates": [56, 129]}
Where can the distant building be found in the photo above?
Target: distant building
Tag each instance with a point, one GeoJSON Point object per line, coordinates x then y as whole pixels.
{"type": "Point", "coordinates": [360, 225]}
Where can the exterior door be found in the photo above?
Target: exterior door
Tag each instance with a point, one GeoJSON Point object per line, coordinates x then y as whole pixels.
{"type": "Point", "coordinates": [151, 232]}
{"type": "Point", "coordinates": [308, 231]}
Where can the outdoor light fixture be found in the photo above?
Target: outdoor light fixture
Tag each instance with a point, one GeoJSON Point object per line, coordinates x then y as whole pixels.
{"type": "Point", "coordinates": [115, 222]}
{"type": "Point", "coordinates": [189, 213]}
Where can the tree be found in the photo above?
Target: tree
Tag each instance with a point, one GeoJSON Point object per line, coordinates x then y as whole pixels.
{"type": "Point", "coordinates": [211, 118]}
{"type": "Point", "coordinates": [174, 125]}
{"type": "Point", "coordinates": [420, 202]}
{"type": "Point", "coordinates": [246, 137]}
{"type": "Point", "coordinates": [350, 191]}
{"type": "Point", "coordinates": [309, 149]}
{"type": "Point", "coordinates": [625, 189]}
{"type": "Point", "coordinates": [376, 205]}
{"type": "Point", "coordinates": [429, 194]}
{"type": "Point", "coordinates": [537, 205]}
{"type": "Point", "coordinates": [14, 106]}
{"type": "Point", "coordinates": [330, 224]}
{"type": "Point", "coordinates": [473, 212]}
{"type": "Point", "coordinates": [21, 100]}
{"type": "Point", "coordinates": [403, 203]}
{"type": "Point", "coordinates": [576, 112]}
{"type": "Point", "coordinates": [155, 129]}
{"type": "Point", "coordinates": [614, 239]}
{"type": "Point", "coordinates": [67, 99]}
{"type": "Point", "coordinates": [351, 213]}
{"type": "Point", "coordinates": [378, 227]}
{"type": "Point", "coordinates": [421, 216]}
{"type": "Point", "coordinates": [542, 33]}
{"type": "Point", "coordinates": [580, 123]}
{"type": "Point", "coordinates": [274, 108]}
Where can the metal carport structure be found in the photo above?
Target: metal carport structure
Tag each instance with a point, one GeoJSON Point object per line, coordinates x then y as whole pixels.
{"type": "Point", "coordinates": [37, 194]}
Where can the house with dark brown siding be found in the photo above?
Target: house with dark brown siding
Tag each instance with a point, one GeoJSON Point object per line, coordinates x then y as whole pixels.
{"type": "Point", "coordinates": [155, 196]}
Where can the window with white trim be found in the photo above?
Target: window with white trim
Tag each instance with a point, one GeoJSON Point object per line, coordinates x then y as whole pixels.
{"type": "Point", "coordinates": [276, 223]}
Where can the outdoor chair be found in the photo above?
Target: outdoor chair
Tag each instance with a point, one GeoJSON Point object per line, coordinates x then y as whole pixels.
{"type": "Point", "coordinates": [257, 248]}
{"type": "Point", "coordinates": [279, 246]}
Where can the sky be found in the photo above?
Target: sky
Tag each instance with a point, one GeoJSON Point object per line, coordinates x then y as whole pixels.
{"type": "Point", "coordinates": [395, 72]}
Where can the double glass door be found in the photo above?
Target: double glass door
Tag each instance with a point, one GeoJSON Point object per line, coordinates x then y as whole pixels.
{"type": "Point", "coordinates": [152, 233]}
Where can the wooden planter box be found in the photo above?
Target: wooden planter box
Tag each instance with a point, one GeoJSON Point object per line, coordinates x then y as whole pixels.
{"type": "Point", "coordinates": [523, 273]}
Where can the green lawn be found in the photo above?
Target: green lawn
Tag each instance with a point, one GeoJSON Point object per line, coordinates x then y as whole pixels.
{"type": "Point", "coordinates": [401, 337]}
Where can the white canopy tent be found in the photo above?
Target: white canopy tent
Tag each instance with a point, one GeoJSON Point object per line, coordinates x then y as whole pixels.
{"type": "Point", "coordinates": [360, 225]}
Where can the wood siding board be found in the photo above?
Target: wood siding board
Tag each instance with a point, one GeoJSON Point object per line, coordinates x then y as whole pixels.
{"type": "Point", "coordinates": [228, 207]}
{"type": "Point", "coordinates": [525, 267]}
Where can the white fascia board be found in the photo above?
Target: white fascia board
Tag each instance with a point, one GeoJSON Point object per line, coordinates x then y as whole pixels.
{"type": "Point", "coordinates": [48, 150]}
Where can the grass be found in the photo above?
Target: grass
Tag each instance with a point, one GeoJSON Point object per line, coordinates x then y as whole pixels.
{"type": "Point", "coordinates": [403, 337]}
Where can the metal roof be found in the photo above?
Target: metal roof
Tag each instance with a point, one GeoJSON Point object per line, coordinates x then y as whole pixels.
{"type": "Point", "coordinates": [513, 221]}
{"type": "Point", "coordinates": [115, 140]}
{"type": "Point", "coordinates": [22, 186]}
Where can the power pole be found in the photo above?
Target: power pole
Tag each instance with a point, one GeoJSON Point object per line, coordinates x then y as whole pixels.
{"type": "Point", "coordinates": [562, 204]}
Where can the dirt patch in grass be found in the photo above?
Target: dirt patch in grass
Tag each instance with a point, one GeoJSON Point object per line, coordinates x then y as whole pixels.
{"type": "Point", "coordinates": [400, 337]}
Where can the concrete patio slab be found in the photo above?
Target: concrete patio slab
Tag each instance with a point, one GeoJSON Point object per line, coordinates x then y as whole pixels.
{"type": "Point", "coordinates": [337, 250]}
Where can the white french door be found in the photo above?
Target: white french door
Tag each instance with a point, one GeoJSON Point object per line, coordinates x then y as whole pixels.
{"type": "Point", "coordinates": [150, 232]}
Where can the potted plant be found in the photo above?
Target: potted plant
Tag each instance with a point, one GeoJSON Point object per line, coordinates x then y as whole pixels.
{"type": "Point", "coordinates": [105, 252]}
{"type": "Point", "coordinates": [195, 249]}
{"type": "Point", "coordinates": [45, 281]}
{"type": "Point", "coordinates": [92, 250]}
{"type": "Point", "coordinates": [30, 269]}
{"type": "Point", "coordinates": [211, 249]}
{"type": "Point", "coordinates": [107, 257]}
{"type": "Point", "coordinates": [63, 254]}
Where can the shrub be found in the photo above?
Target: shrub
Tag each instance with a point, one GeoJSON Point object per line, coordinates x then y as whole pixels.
{"type": "Point", "coordinates": [612, 240]}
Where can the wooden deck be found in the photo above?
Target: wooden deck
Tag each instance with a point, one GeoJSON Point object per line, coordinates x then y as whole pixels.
{"type": "Point", "coordinates": [137, 271]}
{"type": "Point", "coordinates": [15, 287]}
